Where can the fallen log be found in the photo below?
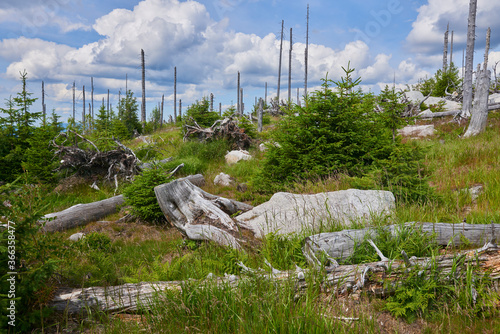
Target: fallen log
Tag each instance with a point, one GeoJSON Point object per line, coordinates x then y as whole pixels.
{"type": "Point", "coordinates": [340, 245]}
{"type": "Point", "coordinates": [82, 214]}
{"type": "Point", "coordinates": [202, 216]}
{"type": "Point", "coordinates": [369, 277]}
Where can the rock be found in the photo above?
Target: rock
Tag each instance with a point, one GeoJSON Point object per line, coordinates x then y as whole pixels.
{"type": "Point", "coordinates": [262, 147]}
{"type": "Point", "coordinates": [448, 105]}
{"type": "Point", "coordinates": [474, 192]}
{"type": "Point", "coordinates": [425, 113]}
{"type": "Point", "coordinates": [76, 236]}
{"type": "Point", "coordinates": [494, 98]}
{"type": "Point", "coordinates": [414, 96]}
{"type": "Point", "coordinates": [236, 156]}
{"type": "Point", "coordinates": [288, 213]}
{"type": "Point", "coordinates": [223, 180]}
{"type": "Point", "coordinates": [417, 131]}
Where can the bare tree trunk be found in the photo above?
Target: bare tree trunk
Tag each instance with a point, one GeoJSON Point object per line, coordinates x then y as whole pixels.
{"type": "Point", "coordinates": [43, 105]}
{"type": "Point", "coordinates": [180, 108]}
{"type": "Point", "coordinates": [143, 106]}
{"type": "Point", "coordinates": [220, 109]}
{"type": "Point", "coordinates": [279, 66]}
{"type": "Point", "coordinates": [451, 49]}
{"type": "Point", "coordinates": [260, 113]}
{"type": "Point", "coordinates": [265, 93]}
{"type": "Point", "coordinates": [92, 96]}
{"type": "Point", "coordinates": [306, 55]}
{"type": "Point", "coordinates": [211, 102]}
{"type": "Point", "coordinates": [161, 113]}
{"type": "Point", "coordinates": [469, 63]}
{"type": "Point", "coordinates": [445, 49]}
{"type": "Point", "coordinates": [83, 113]}
{"type": "Point", "coordinates": [175, 96]}
{"type": "Point", "coordinates": [242, 104]}
{"type": "Point", "coordinates": [479, 117]}
{"type": "Point", "coordinates": [108, 104]}
{"type": "Point", "coordinates": [238, 109]}
{"type": "Point", "coordinates": [74, 119]}
{"type": "Point", "coordinates": [290, 70]}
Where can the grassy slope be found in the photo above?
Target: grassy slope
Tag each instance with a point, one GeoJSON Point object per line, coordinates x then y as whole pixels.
{"type": "Point", "coordinates": [144, 253]}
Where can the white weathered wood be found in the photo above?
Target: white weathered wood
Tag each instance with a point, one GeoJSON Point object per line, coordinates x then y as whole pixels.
{"type": "Point", "coordinates": [340, 245]}
{"type": "Point", "coordinates": [81, 214]}
{"type": "Point", "coordinates": [200, 215]}
{"type": "Point", "coordinates": [343, 279]}
{"type": "Point", "coordinates": [469, 61]}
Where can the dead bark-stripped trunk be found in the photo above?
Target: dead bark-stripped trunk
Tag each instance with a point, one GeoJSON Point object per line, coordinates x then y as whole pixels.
{"type": "Point", "coordinates": [44, 114]}
{"type": "Point", "coordinates": [200, 215]}
{"type": "Point", "coordinates": [370, 277]}
{"type": "Point", "coordinates": [81, 214]}
{"type": "Point", "coordinates": [451, 49]}
{"type": "Point", "coordinates": [83, 111]}
{"type": "Point", "coordinates": [161, 111]}
{"type": "Point", "coordinates": [306, 56]}
{"type": "Point", "coordinates": [479, 117]}
{"type": "Point", "coordinates": [74, 119]}
{"type": "Point", "coordinates": [92, 97]}
{"type": "Point", "coordinates": [143, 106]}
{"type": "Point", "coordinates": [445, 49]}
{"type": "Point", "coordinates": [279, 64]}
{"type": "Point", "coordinates": [290, 70]}
{"type": "Point", "coordinates": [340, 245]}
{"type": "Point", "coordinates": [260, 113]}
{"type": "Point", "coordinates": [238, 109]}
{"type": "Point", "coordinates": [469, 61]}
{"type": "Point", "coordinates": [175, 96]}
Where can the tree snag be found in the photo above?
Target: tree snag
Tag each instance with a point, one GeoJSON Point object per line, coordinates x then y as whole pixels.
{"type": "Point", "coordinates": [200, 215]}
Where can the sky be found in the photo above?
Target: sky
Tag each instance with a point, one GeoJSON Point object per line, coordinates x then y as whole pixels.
{"type": "Point", "coordinates": [210, 41]}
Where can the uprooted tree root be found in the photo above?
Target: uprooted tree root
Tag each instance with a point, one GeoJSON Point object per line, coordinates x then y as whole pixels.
{"type": "Point", "coordinates": [226, 129]}
{"type": "Point", "coordinates": [119, 162]}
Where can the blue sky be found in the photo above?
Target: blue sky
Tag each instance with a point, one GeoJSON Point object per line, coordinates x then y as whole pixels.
{"type": "Point", "coordinates": [61, 41]}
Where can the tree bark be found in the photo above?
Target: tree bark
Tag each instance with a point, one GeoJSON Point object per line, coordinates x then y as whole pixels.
{"type": "Point", "coordinates": [340, 245]}
{"type": "Point", "coordinates": [279, 64]}
{"type": "Point", "coordinates": [200, 215]}
{"type": "Point", "coordinates": [469, 62]}
{"type": "Point", "coordinates": [260, 113]}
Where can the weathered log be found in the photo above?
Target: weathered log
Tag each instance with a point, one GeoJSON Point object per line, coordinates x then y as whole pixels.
{"type": "Point", "coordinates": [340, 245]}
{"type": "Point", "coordinates": [200, 215]}
{"type": "Point", "coordinates": [82, 214]}
{"type": "Point", "coordinates": [343, 279]}
{"type": "Point", "coordinates": [226, 129]}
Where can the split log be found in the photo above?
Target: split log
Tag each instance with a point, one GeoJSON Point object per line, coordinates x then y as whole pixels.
{"type": "Point", "coordinates": [200, 215]}
{"type": "Point", "coordinates": [340, 245]}
{"type": "Point", "coordinates": [343, 279]}
{"type": "Point", "coordinates": [82, 214]}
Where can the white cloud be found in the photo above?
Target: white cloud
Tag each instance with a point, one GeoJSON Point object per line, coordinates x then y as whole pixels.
{"type": "Point", "coordinates": [427, 34]}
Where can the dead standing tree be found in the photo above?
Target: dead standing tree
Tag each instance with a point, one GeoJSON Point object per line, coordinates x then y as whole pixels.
{"type": "Point", "coordinates": [479, 116]}
{"type": "Point", "coordinates": [469, 61]}
{"type": "Point", "coordinates": [143, 105]}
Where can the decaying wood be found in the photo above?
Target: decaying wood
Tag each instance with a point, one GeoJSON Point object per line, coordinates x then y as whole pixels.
{"type": "Point", "coordinates": [120, 161]}
{"type": "Point", "coordinates": [369, 277]}
{"type": "Point", "coordinates": [340, 245]}
{"type": "Point", "coordinates": [226, 129]}
{"type": "Point", "coordinates": [200, 215]}
{"type": "Point", "coordinates": [82, 214]}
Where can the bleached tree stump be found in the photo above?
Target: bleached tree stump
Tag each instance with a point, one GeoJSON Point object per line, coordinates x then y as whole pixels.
{"type": "Point", "coordinates": [200, 215]}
